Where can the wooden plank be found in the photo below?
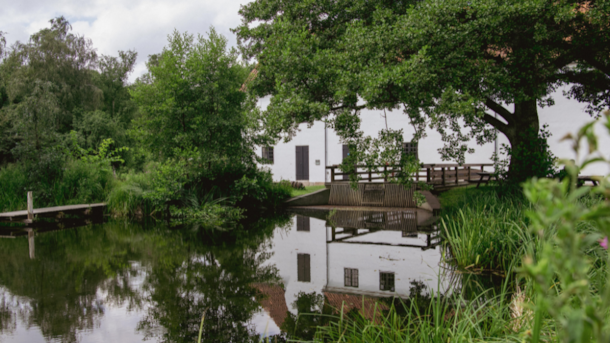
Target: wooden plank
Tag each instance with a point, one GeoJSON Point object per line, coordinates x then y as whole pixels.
{"type": "Point", "coordinates": [16, 215]}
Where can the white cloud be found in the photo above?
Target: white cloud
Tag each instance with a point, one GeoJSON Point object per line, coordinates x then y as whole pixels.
{"type": "Point", "coordinates": [112, 25]}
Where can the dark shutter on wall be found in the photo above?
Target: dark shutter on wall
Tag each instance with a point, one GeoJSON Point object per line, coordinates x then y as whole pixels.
{"type": "Point", "coordinates": [302, 223]}
{"type": "Point", "coordinates": [302, 162]}
{"type": "Point", "coordinates": [410, 149]}
{"type": "Point", "coordinates": [303, 268]}
{"type": "Point", "coordinates": [345, 154]}
{"type": "Point", "coordinates": [268, 154]}
{"type": "Point", "coordinates": [299, 162]}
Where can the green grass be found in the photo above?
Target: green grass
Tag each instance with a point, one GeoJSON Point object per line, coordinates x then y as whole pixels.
{"type": "Point", "coordinates": [307, 190]}
{"type": "Point", "coordinates": [485, 231]}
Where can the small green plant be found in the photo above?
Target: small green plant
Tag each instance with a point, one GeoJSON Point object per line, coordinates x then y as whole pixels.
{"type": "Point", "coordinates": [570, 272]}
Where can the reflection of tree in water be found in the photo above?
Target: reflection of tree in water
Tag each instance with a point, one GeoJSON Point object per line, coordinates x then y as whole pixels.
{"type": "Point", "coordinates": [215, 281]}
{"type": "Point", "coordinates": [312, 311]}
{"type": "Point", "coordinates": [61, 290]}
{"type": "Point", "coordinates": [8, 320]}
{"type": "Point", "coordinates": [57, 291]}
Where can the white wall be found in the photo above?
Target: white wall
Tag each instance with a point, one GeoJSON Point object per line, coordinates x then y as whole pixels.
{"type": "Point", "coordinates": [407, 263]}
{"type": "Point", "coordinates": [566, 116]}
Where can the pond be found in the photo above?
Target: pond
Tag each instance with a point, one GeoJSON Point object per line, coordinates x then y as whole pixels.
{"type": "Point", "coordinates": [127, 282]}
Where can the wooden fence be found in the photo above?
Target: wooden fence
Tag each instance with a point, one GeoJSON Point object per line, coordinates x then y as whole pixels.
{"type": "Point", "coordinates": [443, 174]}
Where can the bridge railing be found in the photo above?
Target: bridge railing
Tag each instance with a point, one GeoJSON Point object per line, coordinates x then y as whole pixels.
{"type": "Point", "coordinates": [436, 174]}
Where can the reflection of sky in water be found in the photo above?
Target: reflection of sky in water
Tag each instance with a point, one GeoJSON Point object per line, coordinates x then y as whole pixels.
{"type": "Point", "coordinates": [370, 250]}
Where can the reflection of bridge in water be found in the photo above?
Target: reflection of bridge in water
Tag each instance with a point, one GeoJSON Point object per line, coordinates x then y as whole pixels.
{"type": "Point", "coordinates": [347, 226]}
{"type": "Point", "coordinates": [31, 230]}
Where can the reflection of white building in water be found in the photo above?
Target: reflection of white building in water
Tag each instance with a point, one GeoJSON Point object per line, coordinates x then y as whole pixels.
{"type": "Point", "coordinates": [375, 254]}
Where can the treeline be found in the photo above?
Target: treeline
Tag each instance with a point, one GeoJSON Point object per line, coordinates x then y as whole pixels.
{"type": "Point", "coordinates": [74, 131]}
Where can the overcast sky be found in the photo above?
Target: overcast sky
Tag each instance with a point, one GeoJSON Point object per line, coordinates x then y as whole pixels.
{"type": "Point", "coordinates": [112, 25]}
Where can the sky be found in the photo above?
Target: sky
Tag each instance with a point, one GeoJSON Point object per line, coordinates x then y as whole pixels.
{"type": "Point", "coordinates": [113, 25]}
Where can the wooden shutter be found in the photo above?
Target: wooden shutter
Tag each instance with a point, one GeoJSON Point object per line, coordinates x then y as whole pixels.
{"type": "Point", "coordinates": [303, 268]}
{"type": "Point", "coordinates": [345, 154]}
{"type": "Point", "coordinates": [303, 223]}
{"type": "Point", "coordinates": [302, 162]}
{"type": "Point", "coordinates": [299, 162]}
{"type": "Point", "coordinates": [306, 163]}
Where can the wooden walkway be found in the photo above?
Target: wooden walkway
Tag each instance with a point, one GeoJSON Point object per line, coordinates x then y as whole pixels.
{"type": "Point", "coordinates": [53, 212]}
{"type": "Point", "coordinates": [440, 175]}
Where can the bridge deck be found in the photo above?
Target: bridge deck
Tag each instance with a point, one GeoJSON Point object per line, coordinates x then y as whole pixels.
{"type": "Point", "coordinates": [51, 211]}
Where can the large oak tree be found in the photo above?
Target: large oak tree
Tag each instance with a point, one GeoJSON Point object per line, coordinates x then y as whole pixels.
{"type": "Point", "coordinates": [453, 65]}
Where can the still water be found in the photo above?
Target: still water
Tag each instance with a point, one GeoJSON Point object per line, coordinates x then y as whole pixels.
{"type": "Point", "coordinates": [128, 282]}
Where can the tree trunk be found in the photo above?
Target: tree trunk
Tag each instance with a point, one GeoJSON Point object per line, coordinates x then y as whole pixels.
{"type": "Point", "coordinates": [521, 133]}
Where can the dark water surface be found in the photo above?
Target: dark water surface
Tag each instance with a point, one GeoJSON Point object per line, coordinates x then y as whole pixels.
{"type": "Point", "coordinates": [128, 282]}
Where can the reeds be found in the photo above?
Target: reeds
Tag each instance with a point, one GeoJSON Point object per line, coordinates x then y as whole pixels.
{"type": "Point", "coordinates": [445, 319]}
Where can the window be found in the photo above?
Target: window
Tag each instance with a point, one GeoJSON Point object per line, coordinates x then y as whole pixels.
{"type": "Point", "coordinates": [268, 154]}
{"type": "Point", "coordinates": [351, 277]}
{"type": "Point", "coordinates": [386, 281]}
{"type": "Point", "coordinates": [303, 268]}
{"type": "Point", "coordinates": [302, 223]}
{"type": "Point", "coordinates": [410, 149]}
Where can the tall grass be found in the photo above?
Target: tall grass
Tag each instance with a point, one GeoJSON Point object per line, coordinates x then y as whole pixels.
{"type": "Point", "coordinates": [13, 188]}
{"type": "Point", "coordinates": [127, 197]}
{"type": "Point", "coordinates": [489, 232]}
{"type": "Point", "coordinates": [78, 183]}
{"type": "Point", "coordinates": [444, 319]}
{"type": "Point", "coordinates": [485, 232]}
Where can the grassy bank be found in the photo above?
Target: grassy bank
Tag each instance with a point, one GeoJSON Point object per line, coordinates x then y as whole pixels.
{"type": "Point", "coordinates": [307, 190]}
{"type": "Point", "coordinates": [206, 198]}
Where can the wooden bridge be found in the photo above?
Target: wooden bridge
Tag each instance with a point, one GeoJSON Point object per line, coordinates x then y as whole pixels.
{"type": "Point", "coordinates": [440, 175]}
{"type": "Point", "coordinates": [58, 212]}
{"type": "Point", "coordinates": [53, 212]}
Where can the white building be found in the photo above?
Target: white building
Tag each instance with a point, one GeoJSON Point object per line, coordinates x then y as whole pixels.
{"type": "Point", "coordinates": [317, 147]}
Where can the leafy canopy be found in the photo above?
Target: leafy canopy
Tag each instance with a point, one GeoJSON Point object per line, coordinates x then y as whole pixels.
{"type": "Point", "coordinates": [451, 65]}
{"type": "Point", "coordinates": [191, 99]}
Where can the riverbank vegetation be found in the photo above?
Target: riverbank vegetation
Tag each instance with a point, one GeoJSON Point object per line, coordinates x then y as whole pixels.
{"type": "Point", "coordinates": [181, 139]}
{"type": "Point", "coordinates": [548, 245]}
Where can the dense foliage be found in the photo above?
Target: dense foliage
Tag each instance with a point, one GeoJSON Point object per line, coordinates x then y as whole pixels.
{"type": "Point", "coordinates": [180, 139]}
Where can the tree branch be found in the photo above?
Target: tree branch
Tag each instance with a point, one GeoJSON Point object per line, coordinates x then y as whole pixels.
{"type": "Point", "coordinates": [491, 120]}
{"type": "Point", "coordinates": [597, 65]}
{"type": "Point", "coordinates": [344, 106]}
{"type": "Point", "coordinates": [499, 109]}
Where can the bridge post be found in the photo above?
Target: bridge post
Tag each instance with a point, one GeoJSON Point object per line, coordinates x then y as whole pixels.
{"type": "Point", "coordinates": [385, 173]}
{"type": "Point", "coordinates": [456, 175]}
{"type": "Point", "coordinates": [443, 180]}
{"type": "Point", "coordinates": [468, 174]}
{"type": "Point", "coordinates": [428, 175]}
{"type": "Point", "coordinates": [332, 174]}
{"type": "Point", "coordinates": [30, 206]}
